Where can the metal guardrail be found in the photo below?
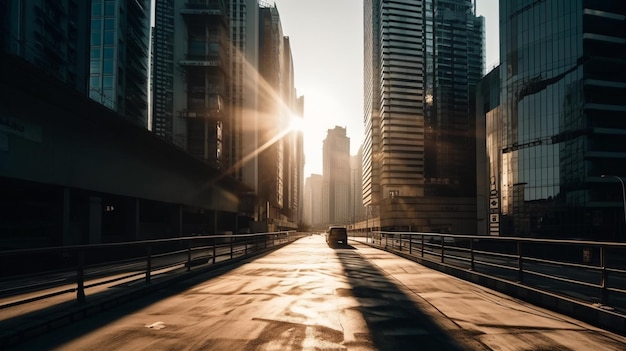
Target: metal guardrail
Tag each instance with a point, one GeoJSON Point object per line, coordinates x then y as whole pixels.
{"type": "Point", "coordinates": [31, 275]}
{"type": "Point", "coordinates": [588, 271]}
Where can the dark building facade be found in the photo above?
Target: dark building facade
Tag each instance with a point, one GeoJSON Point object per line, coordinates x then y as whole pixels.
{"type": "Point", "coordinates": [557, 150]}
{"type": "Point", "coordinates": [52, 35]}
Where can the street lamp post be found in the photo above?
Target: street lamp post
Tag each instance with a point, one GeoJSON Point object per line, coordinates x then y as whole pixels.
{"type": "Point", "coordinates": [623, 193]}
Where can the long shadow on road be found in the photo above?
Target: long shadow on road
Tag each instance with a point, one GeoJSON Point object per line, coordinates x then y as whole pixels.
{"type": "Point", "coordinates": [394, 320]}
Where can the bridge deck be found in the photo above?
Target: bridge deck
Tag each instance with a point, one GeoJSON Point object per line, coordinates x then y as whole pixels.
{"type": "Point", "coordinates": [308, 296]}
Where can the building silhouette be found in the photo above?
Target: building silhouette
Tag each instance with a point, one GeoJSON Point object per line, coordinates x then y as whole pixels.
{"type": "Point", "coordinates": [422, 61]}
{"type": "Point", "coordinates": [559, 124]}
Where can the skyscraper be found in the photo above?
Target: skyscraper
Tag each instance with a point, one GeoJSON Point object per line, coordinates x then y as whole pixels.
{"type": "Point", "coordinates": [422, 60]}
{"type": "Point", "coordinates": [277, 105]}
{"type": "Point", "coordinates": [163, 69]}
{"type": "Point", "coordinates": [561, 124]}
{"type": "Point", "coordinates": [118, 74]}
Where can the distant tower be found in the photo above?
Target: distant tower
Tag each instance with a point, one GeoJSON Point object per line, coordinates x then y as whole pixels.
{"type": "Point", "coordinates": [313, 203]}
{"type": "Point", "coordinates": [336, 159]}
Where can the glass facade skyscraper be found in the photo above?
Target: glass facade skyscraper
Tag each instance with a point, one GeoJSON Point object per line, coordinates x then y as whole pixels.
{"type": "Point", "coordinates": [118, 73]}
{"type": "Point", "coordinates": [562, 124]}
{"type": "Point", "coordinates": [422, 61]}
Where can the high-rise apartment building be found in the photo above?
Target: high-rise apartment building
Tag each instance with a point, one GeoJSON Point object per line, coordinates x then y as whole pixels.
{"type": "Point", "coordinates": [422, 60]}
{"type": "Point", "coordinates": [53, 35]}
{"type": "Point", "coordinates": [119, 51]}
{"type": "Point", "coordinates": [555, 150]}
{"type": "Point", "coordinates": [202, 54]}
{"type": "Point", "coordinates": [336, 175]}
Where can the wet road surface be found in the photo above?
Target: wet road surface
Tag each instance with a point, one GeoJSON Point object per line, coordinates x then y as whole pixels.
{"type": "Point", "coordinates": [308, 296]}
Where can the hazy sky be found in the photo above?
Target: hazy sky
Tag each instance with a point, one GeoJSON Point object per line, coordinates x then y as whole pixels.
{"type": "Point", "coordinates": [327, 46]}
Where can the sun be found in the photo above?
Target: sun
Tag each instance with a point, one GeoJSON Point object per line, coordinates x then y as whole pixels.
{"type": "Point", "coordinates": [295, 123]}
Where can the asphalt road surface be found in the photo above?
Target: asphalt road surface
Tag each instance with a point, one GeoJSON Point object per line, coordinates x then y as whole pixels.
{"type": "Point", "coordinates": [308, 296]}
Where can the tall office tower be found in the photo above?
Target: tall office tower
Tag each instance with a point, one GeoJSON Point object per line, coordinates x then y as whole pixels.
{"type": "Point", "coordinates": [119, 50]}
{"type": "Point", "coordinates": [336, 173]}
{"type": "Point", "coordinates": [276, 107]}
{"type": "Point", "coordinates": [454, 64]}
{"type": "Point", "coordinates": [52, 35]}
{"type": "Point", "coordinates": [422, 59]}
{"type": "Point", "coordinates": [562, 79]}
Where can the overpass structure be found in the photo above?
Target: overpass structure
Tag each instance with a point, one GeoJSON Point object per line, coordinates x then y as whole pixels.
{"type": "Point", "coordinates": [74, 172]}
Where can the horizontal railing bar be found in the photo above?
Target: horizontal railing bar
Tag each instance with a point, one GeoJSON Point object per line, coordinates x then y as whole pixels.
{"type": "Point", "coordinates": [561, 279]}
{"type": "Point", "coordinates": [561, 263]}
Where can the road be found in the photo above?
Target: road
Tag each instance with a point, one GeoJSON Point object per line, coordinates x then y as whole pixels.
{"type": "Point", "coordinates": [307, 296]}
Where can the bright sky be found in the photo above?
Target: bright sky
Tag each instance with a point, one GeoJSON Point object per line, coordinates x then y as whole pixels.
{"type": "Point", "coordinates": [326, 39]}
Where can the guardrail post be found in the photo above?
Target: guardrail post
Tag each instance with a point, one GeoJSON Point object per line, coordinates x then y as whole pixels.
{"type": "Point", "coordinates": [520, 263]}
{"type": "Point", "coordinates": [245, 245]}
{"type": "Point", "coordinates": [400, 242]}
{"type": "Point", "coordinates": [603, 277]}
{"type": "Point", "coordinates": [472, 267]}
{"type": "Point", "coordinates": [386, 240]}
{"type": "Point", "coordinates": [214, 250]}
{"type": "Point", "coordinates": [148, 263]}
{"type": "Point", "coordinates": [80, 277]}
{"type": "Point", "coordinates": [443, 249]}
{"type": "Point", "coordinates": [231, 248]}
{"type": "Point", "coordinates": [188, 255]}
{"type": "Point", "coordinates": [410, 243]}
{"type": "Point", "coordinates": [422, 246]}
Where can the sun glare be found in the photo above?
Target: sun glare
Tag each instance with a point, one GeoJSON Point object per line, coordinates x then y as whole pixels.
{"type": "Point", "coordinates": [296, 123]}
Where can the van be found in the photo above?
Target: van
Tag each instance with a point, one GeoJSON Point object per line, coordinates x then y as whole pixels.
{"type": "Point", "coordinates": [337, 235]}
